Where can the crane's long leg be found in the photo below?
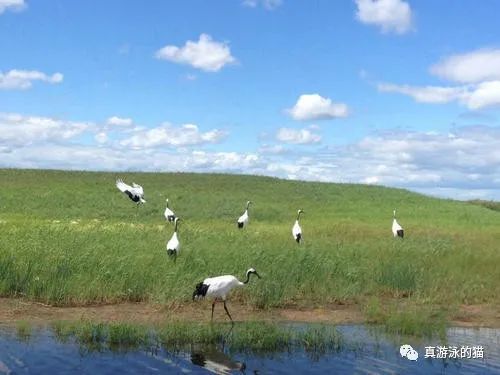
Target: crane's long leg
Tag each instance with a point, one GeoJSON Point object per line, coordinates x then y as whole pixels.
{"type": "Point", "coordinates": [213, 306]}
{"type": "Point", "coordinates": [225, 308]}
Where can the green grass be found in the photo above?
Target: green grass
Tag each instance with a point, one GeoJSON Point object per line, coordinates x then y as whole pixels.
{"type": "Point", "coordinates": [256, 337]}
{"type": "Point", "coordinates": [412, 320]}
{"type": "Point", "coordinates": [23, 330]}
{"type": "Point", "coordinates": [71, 238]}
{"type": "Point", "coordinates": [492, 205]}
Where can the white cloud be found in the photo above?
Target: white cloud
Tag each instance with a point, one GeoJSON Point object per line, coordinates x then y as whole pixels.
{"type": "Point", "coordinates": [476, 66]}
{"type": "Point", "coordinates": [93, 157]}
{"type": "Point", "coordinates": [20, 130]}
{"type": "Point", "coordinates": [389, 15]}
{"type": "Point", "coordinates": [461, 162]}
{"type": "Point", "coordinates": [268, 4]}
{"type": "Point", "coordinates": [119, 121]}
{"type": "Point", "coordinates": [221, 160]}
{"type": "Point", "coordinates": [23, 79]}
{"type": "Point", "coordinates": [205, 54]}
{"type": "Point", "coordinates": [426, 94]}
{"type": "Point", "coordinates": [301, 136]}
{"type": "Point", "coordinates": [371, 180]}
{"type": "Point", "coordinates": [168, 135]}
{"type": "Point", "coordinates": [473, 96]}
{"type": "Point", "coordinates": [316, 107]}
{"type": "Point", "coordinates": [477, 71]}
{"type": "Point", "coordinates": [272, 149]}
{"type": "Point", "coordinates": [467, 158]}
{"type": "Point", "coordinates": [485, 94]}
{"type": "Point", "coordinates": [14, 5]}
{"type": "Point", "coordinates": [101, 137]}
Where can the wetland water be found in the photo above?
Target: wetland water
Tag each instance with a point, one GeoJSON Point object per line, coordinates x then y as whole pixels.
{"type": "Point", "coordinates": [364, 351]}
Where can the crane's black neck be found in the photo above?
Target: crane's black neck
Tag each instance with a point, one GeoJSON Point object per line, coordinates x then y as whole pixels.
{"type": "Point", "coordinates": [248, 278]}
{"type": "Point", "coordinates": [298, 215]}
{"type": "Point", "coordinates": [175, 230]}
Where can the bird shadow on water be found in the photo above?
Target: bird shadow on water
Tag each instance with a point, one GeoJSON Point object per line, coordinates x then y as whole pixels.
{"type": "Point", "coordinates": [215, 358]}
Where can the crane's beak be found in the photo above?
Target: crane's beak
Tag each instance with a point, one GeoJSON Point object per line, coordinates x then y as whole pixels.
{"type": "Point", "coordinates": [256, 274]}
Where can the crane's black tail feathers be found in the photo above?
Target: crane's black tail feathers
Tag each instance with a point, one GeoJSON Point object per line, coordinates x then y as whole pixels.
{"type": "Point", "coordinates": [240, 224]}
{"type": "Point", "coordinates": [298, 238]}
{"type": "Point", "coordinates": [200, 290]}
{"type": "Point", "coordinates": [401, 233]}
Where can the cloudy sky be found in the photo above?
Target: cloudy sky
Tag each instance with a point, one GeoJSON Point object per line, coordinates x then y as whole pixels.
{"type": "Point", "coordinates": [390, 92]}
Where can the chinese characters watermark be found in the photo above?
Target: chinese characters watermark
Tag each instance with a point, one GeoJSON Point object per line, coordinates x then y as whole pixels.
{"type": "Point", "coordinates": [454, 352]}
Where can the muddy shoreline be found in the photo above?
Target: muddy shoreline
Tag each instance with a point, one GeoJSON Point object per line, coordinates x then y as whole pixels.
{"type": "Point", "coordinates": [16, 310]}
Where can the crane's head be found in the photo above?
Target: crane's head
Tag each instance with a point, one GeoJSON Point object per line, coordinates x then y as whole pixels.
{"type": "Point", "coordinates": [394, 213]}
{"type": "Point", "coordinates": [252, 271]}
{"type": "Point", "coordinates": [200, 290]}
{"type": "Point", "coordinates": [249, 203]}
{"type": "Point", "coordinates": [300, 212]}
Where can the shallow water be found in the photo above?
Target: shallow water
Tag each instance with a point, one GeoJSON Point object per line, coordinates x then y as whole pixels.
{"type": "Point", "coordinates": [364, 351]}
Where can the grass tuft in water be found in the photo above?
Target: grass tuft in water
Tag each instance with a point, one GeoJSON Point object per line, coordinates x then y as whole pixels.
{"type": "Point", "coordinates": [412, 320]}
{"type": "Point", "coordinates": [24, 330]}
{"type": "Point", "coordinates": [255, 337]}
{"type": "Point", "coordinates": [320, 340]}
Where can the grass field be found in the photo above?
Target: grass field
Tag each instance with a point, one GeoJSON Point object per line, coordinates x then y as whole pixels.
{"type": "Point", "coordinates": [71, 238]}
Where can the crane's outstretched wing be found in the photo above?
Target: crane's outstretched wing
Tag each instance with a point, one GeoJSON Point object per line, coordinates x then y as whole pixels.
{"type": "Point", "coordinates": [122, 186]}
{"type": "Point", "coordinates": [138, 188]}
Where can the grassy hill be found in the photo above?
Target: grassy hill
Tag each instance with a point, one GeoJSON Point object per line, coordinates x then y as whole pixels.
{"type": "Point", "coordinates": [73, 238]}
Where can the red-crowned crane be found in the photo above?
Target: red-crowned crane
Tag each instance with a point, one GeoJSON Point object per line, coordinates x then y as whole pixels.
{"type": "Point", "coordinates": [173, 245]}
{"type": "Point", "coordinates": [243, 219]}
{"type": "Point", "coordinates": [169, 214]}
{"type": "Point", "coordinates": [397, 230]}
{"type": "Point", "coordinates": [134, 192]}
{"type": "Point", "coordinates": [219, 287]}
{"type": "Point", "coordinates": [297, 230]}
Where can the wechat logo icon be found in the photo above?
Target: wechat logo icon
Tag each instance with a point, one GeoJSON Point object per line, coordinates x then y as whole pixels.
{"type": "Point", "coordinates": [408, 352]}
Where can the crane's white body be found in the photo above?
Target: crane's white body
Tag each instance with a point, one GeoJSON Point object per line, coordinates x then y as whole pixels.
{"type": "Point", "coordinates": [297, 231]}
{"type": "Point", "coordinates": [220, 286]}
{"type": "Point", "coordinates": [173, 245]}
{"type": "Point", "coordinates": [134, 192]}
{"type": "Point", "coordinates": [395, 227]}
{"type": "Point", "coordinates": [243, 219]}
{"type": "Point", "coordinates": [397, 230]}
{"type": "Point", "coordinates": [169, 214]}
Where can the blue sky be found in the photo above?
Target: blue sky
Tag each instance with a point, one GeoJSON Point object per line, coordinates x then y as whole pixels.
{"type": "Point", "coordinates": [390, 92]}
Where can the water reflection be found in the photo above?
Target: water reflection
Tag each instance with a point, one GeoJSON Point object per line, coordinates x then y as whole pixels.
{"type": "Point", "coordinates": [215, 361]}
{"type": "Point", "coordinates": [364, 352]}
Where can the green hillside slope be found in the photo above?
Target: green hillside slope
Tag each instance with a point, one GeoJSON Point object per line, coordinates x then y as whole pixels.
{"type": "Point", "coordinates": [73, 238]}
